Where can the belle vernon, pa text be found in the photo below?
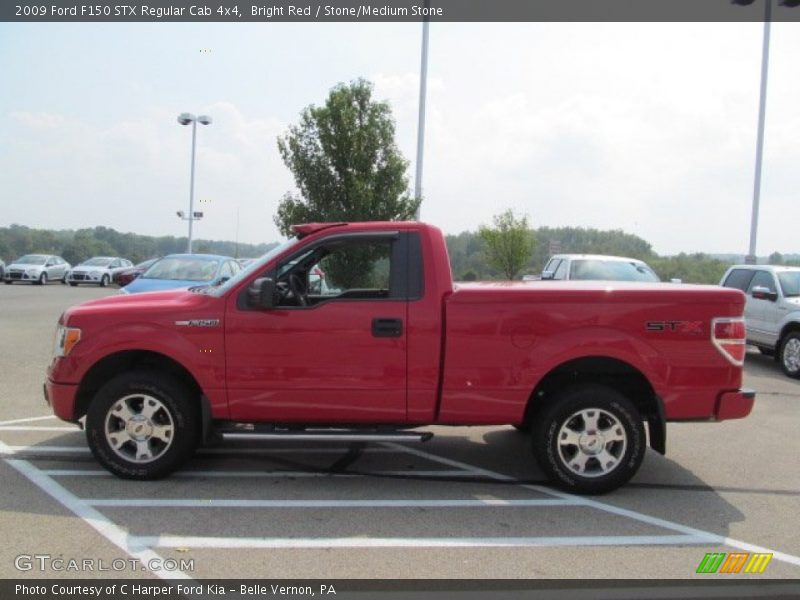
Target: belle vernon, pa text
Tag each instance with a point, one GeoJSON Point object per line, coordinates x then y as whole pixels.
{"type": "Point", "coordinates": [157, 590]}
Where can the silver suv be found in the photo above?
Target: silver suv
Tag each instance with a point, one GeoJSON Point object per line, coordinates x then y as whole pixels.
{"type": "Point", "coordinates": [772, 311]}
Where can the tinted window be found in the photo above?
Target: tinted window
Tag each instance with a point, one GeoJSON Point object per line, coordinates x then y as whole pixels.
{"type": "Point", "coordinates": [790, 283]}
{"type": "Point", "coordinates": [561, 271]}
{"type": "Point", "coordinates": [763, 279]}
{"type": "Point", "coordinates": [183, 268]}
{"type": "Point", "coordinates": [739, 279]}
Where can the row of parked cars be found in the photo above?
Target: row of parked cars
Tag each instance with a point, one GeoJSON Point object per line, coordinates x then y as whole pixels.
{"type": "Point", "coordinates": [170, 272]}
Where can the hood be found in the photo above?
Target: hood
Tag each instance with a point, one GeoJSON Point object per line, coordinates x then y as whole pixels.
{"type": "Point", "coordinates": [169, 302]}
{"type": "Point", "coordinates": [152, 285]}
{"type": "Point", "coordinates": [24, 267]}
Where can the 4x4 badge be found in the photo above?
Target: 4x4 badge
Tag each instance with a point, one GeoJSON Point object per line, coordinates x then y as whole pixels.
{"type": "Point", "coordinates": [198, 323]}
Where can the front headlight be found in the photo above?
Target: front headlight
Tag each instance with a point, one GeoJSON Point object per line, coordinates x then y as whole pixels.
{"type": "Point", "coordinates": [66, 338]}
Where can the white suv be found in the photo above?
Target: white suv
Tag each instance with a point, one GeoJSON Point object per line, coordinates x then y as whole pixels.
{"type": "Point", "coordinates": [772, 311]}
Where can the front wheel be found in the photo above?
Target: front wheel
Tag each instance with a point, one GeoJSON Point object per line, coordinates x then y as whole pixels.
{"type": "Point", "coordinates": [43, 279]}
{"type": "Point", "coordinates": [142, 425]}
{"type": "Point", "coordinates": [104, 281]}
{"type": "Point", "coordinates": [790, 355]}
{"type": "Point", "coordinates": [589, 440]}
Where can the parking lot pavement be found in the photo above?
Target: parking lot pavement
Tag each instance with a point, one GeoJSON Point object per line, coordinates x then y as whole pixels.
{"type": "Point", "coordinates": [469, 503]}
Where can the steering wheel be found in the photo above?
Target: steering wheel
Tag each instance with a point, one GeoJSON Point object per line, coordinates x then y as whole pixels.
{"type": "Point", "coordinates": [298, 289]}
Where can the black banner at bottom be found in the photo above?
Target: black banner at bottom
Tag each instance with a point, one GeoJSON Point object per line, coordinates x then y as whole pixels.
{"type": "Point", "coordinates": [399, 589]}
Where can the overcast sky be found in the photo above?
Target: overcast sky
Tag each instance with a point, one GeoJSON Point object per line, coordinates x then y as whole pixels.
{"type": "Point", "coordinates": [649, 128]}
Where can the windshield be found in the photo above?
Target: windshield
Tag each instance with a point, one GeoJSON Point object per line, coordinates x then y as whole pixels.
{"type": "Point", "coordinates": [186, 268]}
{"type": "Point", "coordinates": [790, 283]}
{"type": "Point", "coordinates": [611, 270]}
{"type": "Point", "coordinates": [146, 264]}
{"type": "Point", "coordinates": [98, 261]}
{"type": "Point", "coordinates": [254, 266]}
{"type": "Point", "coordinates": [32, 259]}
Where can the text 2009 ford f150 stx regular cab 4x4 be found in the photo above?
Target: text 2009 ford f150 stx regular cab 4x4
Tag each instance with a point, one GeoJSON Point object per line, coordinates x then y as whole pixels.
{"type": "Point", "coordinates": [389, 344]}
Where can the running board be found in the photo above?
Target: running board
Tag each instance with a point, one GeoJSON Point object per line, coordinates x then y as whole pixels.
{"type": "Point", "coordinates": [329, 436]}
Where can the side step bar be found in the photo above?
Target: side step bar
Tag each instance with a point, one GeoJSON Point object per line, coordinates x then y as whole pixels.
{"type": "Point", "coordinates": [329, 436]}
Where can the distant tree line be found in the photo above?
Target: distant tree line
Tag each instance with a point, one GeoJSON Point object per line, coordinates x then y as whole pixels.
{"type": "Point", "coordinates": [77, 246]}
{"type": "Point", "coordinates": [467, 254]}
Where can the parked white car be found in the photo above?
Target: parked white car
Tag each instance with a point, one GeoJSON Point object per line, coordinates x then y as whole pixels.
{"type": "Point", "coordinates": [99, 270]}
{"type": "Point", "coordinates": [597, 267]}
{"type": "Point", "coordinates": [771, 311]}
{"type": "Point", "coordinates": [36, 268]}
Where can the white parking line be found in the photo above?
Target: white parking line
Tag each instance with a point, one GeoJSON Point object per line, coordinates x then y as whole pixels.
{"type": "Point", "coordinates": [260, 474]}
{"type": "Point", "coordinates": [169, 541]}
{"type": "Point", "coordinates": [90, 516]}
{"type": "Point", "coordinates": [34, 449]}
{"type": "Point", "coordinates": [24, 428]}
{"type": "Point", "coordinates": [377, 503]}
{"type": "Point", "coordinates": [28, 420]}
{"type": "Point", "coordinates": [636, 516]}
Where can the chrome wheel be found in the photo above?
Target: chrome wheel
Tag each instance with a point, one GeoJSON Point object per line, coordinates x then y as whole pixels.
{"type": "Point", "coordinates": [791, 355]}
{"type": "Point", "coordinates": [592, 442]}
{"type": "Point", "coordinates": [139, 428]}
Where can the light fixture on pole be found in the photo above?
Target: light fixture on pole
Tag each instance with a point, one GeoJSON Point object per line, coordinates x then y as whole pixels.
{"type": "Point", "coordinates": [186, 119]}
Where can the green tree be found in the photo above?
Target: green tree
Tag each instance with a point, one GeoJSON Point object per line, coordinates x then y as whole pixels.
{"type": "Point", "coordinates": [509, 244]}
{"type": "Point", "coordinates": [345, 162]}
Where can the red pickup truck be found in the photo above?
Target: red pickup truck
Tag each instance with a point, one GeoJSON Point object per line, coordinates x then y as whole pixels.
{"type": "Point", "coordinates": [388, 343]}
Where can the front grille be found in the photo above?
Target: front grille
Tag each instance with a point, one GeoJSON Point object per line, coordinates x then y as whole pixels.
{"type": "Point", "coordinates": [15, 274]}
{"type": "Point", "coordinates": [78, 276]}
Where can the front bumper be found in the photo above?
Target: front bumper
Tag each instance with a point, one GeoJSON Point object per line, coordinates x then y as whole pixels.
{"type": "Point", "coordinates": [61, 397]}
{"type": "Point", "coordinates": [734, 405]}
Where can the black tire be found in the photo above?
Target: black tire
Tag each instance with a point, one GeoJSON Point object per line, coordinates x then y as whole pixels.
{"type": "Point", "coordinates": [176, 410]}
{"type": "Point", "coordinates": [73, 284]}
{"type": "Point", "coordinates": [562, 418]}
{"type": "Point", "coordinates": [104, 281]}
{"type": "Point", "coordinates": [8, 282]}
{"type": "Point", "coordinates": [42, 279]}
{"type": "Point", "coordinates": [789, 356]}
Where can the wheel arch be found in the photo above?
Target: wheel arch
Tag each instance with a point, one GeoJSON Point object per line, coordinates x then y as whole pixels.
{"type": "Point", "coordinates": [611, 372]}
{"type": "Point", "coordinates": [126, 360]}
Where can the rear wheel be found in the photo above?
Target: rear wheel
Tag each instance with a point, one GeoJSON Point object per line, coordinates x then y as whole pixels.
{"type": "Point", "coordinates": [790, 354]}
{"type": "Point", "coordinates": [589, 440]}
{"type": "Point", "coordinates": [142, 425]}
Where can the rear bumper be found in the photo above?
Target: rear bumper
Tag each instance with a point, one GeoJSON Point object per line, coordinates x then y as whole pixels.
{"type": "Point", "coordinates": [734, 405]}
{"type": "Point", "coordinates": [61, 397]}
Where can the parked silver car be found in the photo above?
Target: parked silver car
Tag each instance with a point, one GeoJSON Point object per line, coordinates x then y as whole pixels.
{"type": "Point", "coordinates": [597, 267]}
{"type": "Point", "coordinates": [772, 310]}
{"type": "Point", "coordinates": [37, 268]}
{"type": "Point", "coordinates": [99, 270]}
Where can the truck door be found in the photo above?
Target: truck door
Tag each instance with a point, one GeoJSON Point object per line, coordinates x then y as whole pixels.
{"type": "Point", "coordinates": [334, 348]}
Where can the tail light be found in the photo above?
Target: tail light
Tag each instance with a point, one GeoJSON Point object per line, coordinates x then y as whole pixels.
{"type": "Point", "coordinates": [728, 335]}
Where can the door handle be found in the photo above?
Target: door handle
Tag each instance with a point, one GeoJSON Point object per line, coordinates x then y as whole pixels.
{"type": "Point", "coordinates": [386, 327]}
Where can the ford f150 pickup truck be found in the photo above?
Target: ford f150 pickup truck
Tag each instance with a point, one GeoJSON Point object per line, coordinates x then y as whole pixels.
{"type": "Point", "coordinates": [389, 344]}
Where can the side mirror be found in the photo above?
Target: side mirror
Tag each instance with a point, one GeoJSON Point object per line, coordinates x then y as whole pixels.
{"type": "Point", "coordinates": [261, 293]}
{"type": "Point", "coordinates": [763, 293]}
{"type": "Point", "coordinates": [548, 274]}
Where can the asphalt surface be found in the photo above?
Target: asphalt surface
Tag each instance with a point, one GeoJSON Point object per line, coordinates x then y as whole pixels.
{"type": "Point", "coordinates": [469, 503]}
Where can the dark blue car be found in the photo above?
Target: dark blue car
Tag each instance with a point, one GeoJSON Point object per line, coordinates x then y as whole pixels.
{"type": "Point", "coordinates": [178, 271]}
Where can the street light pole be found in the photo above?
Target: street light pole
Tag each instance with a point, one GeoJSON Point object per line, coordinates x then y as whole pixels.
{"type": "Point", "coordinates": [751, 256]}
{"type": "Point", "coordinates": [423, 88]}
{"type": "Point", "coordinates": [186, 119]}
{"type": "Point", "coordinates": [191, 186]}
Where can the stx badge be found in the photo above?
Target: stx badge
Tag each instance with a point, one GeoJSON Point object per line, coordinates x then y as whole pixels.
{"type": "Point", "coordinates": [690, 327]}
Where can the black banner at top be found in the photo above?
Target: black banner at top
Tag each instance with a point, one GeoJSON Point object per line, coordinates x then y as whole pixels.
{"type": "Point", "coordinates": [322, 11]}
